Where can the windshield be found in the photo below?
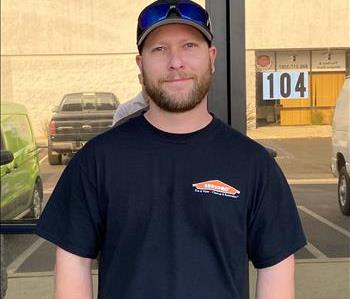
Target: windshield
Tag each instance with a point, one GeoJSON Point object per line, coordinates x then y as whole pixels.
{"type": "Point", "coordinates": [95, 102]}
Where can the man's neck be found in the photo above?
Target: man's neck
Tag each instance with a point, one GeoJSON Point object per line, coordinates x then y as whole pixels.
{"type": "Point", "coordinates": [179, 123]}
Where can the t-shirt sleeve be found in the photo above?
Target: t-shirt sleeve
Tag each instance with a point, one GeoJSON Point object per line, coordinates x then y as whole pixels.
{"type": "Point", "coordinates": [274, 227]}
{"type": "Point", "coordinates": [72, 217]}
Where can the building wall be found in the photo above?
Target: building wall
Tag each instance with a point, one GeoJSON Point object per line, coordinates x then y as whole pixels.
{"type": "Point", "coordinates": [273, 24]}
{"type": "Point", "coordinates": [69, 26]}
{"type": "Point", "coordinates": [49, 48]}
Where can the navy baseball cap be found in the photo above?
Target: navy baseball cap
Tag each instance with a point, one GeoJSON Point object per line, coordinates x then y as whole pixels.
{"type": "Point", "coordinates": [163, 12]}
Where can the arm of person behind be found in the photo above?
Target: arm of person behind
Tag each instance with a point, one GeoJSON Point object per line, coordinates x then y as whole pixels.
{"type": "Point", "coordinates": [277, 282]}
{"type": "Point", "coordinates": [119, 114]}
{"type": "Point", "coordinates": [126, 110]}
{"type": "Point", "coordinates": [72, 276]}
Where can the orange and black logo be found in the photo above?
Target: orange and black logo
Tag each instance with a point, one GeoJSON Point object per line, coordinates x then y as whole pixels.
{"type": "Point", "coordinates": [217, 187]}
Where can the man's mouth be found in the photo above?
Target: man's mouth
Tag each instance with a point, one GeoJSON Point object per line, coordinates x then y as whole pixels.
{"type": "Point", "coordinates": [177, 80]}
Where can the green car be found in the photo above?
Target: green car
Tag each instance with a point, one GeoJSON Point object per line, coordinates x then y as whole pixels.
{"type": "Point", "coordinates": [21, 185]}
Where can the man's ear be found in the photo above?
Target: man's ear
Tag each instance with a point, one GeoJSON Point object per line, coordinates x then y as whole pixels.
{"type": "Point", "coordinates": [212, 57]}
{"type": "Point", "coordinates": [138, 59]}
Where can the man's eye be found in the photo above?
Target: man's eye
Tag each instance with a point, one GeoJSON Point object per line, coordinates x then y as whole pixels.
{"type": "Point", "coordinates": [159, 49]}
{"type": "Point", "coordinates": [190, 45]}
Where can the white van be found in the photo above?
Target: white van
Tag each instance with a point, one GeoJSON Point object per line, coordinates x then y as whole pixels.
{"type": "Point", "coordinates": [341, 146]}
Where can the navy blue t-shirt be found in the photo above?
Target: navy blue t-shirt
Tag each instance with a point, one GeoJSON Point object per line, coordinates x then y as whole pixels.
{"type": "Point", "coordinates": [173, 216]}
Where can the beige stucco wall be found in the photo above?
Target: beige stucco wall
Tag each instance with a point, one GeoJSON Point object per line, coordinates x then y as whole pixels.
{"type": "Point", "coordinates": [273, 24]}
{"type": "Point", "coordinates": [69, 26]}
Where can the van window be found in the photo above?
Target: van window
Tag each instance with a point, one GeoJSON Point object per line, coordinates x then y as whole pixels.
{"type": "Point", "coordinates": [17, 132]}
{"type": "Point", "coordinates": [25, 137]}
{"type": "Point", "coordinates": [10, 134]}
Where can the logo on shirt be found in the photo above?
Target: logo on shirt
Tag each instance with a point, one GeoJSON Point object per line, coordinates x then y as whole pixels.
{"type": "Point", "coordinates": [216, 187]}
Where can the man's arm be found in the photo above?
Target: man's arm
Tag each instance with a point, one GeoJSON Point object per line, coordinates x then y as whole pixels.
{"type": "Point", "coordinates": [72, 276]}
{"type": "Point", "coordinates": [277, 282]}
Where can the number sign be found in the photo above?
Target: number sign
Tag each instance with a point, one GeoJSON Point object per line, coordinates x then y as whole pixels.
{"type": "Point", "coordinates": [285, 85]}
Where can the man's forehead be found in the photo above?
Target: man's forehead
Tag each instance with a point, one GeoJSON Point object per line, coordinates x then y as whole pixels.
{"type": "Point", "coordinates": [172, 31]}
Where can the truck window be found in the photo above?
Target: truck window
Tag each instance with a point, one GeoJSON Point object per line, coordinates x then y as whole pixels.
{"type": "Point", "coordinates": [105, 102]}
{"type": "Point", "coordinates": [89, 103]}
{"type": "Point", "coordinates": [98, 101]}
{"type": "Point", "coordinates": [71, 104]}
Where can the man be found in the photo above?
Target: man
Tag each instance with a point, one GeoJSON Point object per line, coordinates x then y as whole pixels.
{"type": "Point", "coordinates": [131, 108]}
{"type": "Point", "coordinates": [175, 201]}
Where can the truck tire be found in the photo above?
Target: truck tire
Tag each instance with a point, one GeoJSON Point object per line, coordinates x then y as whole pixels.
{"type": "Point", "coordinates": [344, 191]}
{"type": "Point", "coordinates": [54, 159]}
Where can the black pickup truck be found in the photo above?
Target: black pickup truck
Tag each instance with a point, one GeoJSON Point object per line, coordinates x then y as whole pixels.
{"type": "Point", "coordinates": [78, 118]}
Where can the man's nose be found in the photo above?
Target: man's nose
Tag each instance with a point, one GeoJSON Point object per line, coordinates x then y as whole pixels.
{"type": "Point", "coordinates": [175, 60]}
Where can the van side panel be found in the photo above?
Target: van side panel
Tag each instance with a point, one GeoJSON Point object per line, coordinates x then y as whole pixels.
{"type": "Point", "coordinates": [341, 129]}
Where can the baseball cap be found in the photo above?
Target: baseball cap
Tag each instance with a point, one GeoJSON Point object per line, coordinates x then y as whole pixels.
{"type": "Point", "coordinates": [163, 12]}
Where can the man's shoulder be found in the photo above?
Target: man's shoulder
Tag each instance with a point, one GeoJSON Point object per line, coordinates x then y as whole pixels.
{"type": "Point", "coordinates": [132, 124]}
{"type": "Point", "coordinates": [233, 135]}
{"type": "Point", "coordinates": [127, 132]}
{"type": "Point", "coordinates": [239, 142]}
{"type": "Point", "coordinates": [130, 116]}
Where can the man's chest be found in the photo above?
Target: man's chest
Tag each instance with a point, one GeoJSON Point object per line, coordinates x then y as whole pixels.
{"type": "Point", "coordinates": [183, 193]}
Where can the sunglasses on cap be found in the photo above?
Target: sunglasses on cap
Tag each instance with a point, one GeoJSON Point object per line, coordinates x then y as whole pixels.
{"type": "Point", "coordinates": [186, 12]}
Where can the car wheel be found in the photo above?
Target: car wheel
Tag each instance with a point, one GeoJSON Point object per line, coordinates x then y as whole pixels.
{"type": "Point", "coordinates": [37, 201]}
{"type": "Point", "coordinates": [344, 191]}
{"type": "Point", "coordinates": [54, 159]}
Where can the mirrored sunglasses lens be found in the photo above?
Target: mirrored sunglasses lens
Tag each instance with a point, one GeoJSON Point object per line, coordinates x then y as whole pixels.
{"type": "Point", "coordinates": [153, 15]}
{"type": "Point", "coordinates": [193, 12]}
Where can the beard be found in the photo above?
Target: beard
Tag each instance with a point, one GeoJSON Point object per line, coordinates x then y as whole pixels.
{"type": "Point", "coordinates": [179, 102]}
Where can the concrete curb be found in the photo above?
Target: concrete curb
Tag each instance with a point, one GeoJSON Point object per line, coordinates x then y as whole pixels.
{"type": "Point", "coordinates": [290, 132]}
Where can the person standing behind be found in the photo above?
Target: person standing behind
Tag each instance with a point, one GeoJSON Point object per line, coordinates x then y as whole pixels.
{"type": "Point", "coordinates": [175, 201]}
{"type": "Point", "coordinates": [132, 107]}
